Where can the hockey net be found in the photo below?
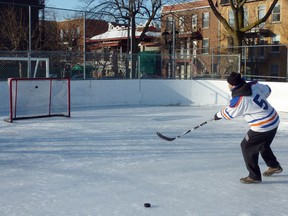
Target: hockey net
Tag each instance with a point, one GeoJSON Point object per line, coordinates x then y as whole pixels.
{"type": "Point", "coordinates": [38, 97]}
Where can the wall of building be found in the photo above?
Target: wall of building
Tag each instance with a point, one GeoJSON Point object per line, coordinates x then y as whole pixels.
{"type": "Point", "coordinates": [89, 93]}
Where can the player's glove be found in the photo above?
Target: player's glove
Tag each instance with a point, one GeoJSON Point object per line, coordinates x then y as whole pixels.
{"type": "Point", "coordinates": [216, 117]}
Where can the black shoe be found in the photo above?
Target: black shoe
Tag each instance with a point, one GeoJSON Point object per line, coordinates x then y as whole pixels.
{"type": "Point", "coordinates": [248, 180]}
{"type": "Point", "coordinates": [270, 171]}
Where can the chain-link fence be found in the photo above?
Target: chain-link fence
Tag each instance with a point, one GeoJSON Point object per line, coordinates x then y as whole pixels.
{"type": "Point", "coordinates": [56, 46]}
{"type": "Point", "coordinates": [104, 65]}
{"type": "Point", "coordinates": [265, 62]}
{"type": "Point", "coordinates": [115, 65]}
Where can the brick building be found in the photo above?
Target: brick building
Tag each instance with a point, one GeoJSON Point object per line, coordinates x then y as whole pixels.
{"type": "Point", "coordinates": [265, 52]}
{"type": "Point", "coordinates": [196, 30]}
{"type": "Point", "coordinates": [72, 32]}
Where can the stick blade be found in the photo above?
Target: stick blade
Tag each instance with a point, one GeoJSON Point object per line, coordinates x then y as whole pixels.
{"type": "Point", "coordinates": [165, 137]}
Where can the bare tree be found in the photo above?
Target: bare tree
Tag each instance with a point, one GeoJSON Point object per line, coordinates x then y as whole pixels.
{"type": "Point", "coordinates": [47, 36]}
{"type": "Point", "coordinates": [239, 27]}
{"type": "Point", "coordinates": [71, 35]}
{"type": "Point", "coordinates": [14, 34]}
{"type": "Point", "coordinates": [130, 12]}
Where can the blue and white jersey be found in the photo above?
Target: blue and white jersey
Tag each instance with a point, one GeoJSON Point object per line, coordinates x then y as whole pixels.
{"type": "Point", "coordinates": [255, 109]}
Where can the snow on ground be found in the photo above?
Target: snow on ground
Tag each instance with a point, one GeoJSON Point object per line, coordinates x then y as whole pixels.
{"type": "Point", "coordinates": [108, 161]}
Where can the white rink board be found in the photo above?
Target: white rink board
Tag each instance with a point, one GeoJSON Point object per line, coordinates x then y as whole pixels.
{"type": "Point", "coordinates": [90, 93]}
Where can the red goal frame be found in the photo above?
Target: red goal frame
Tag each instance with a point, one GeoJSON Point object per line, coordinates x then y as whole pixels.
{"type": "Point", "coordinates": [13, 97]}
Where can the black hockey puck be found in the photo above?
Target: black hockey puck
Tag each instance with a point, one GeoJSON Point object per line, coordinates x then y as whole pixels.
{"type": "Point", "coordinates": [147, 205]}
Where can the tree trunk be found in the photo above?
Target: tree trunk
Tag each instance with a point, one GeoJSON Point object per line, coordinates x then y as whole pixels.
{"type": "Point", "coordinates": [237, 41]}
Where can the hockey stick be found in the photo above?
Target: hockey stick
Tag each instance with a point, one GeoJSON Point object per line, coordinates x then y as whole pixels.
{"type": "Point", "coordinates": [186, 132]}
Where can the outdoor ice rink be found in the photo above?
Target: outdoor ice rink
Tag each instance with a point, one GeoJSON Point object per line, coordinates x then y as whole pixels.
{"type": "Point", "coordinates": [108, 161]}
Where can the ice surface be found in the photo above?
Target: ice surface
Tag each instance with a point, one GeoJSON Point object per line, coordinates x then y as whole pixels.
{"type": "Point", "coordinates": [108, 161]}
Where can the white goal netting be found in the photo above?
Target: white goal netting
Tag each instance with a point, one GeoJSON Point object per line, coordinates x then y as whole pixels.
{"type": "Point", "coordinates": [38, 97]}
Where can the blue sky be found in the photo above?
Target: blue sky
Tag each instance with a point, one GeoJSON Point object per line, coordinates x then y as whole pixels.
{"type": "Point", "coordinates": [68, 4]}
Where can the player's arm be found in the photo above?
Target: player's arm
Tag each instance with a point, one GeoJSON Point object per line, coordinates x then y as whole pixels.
{"type": "Point", "coordinates": [232, 111]}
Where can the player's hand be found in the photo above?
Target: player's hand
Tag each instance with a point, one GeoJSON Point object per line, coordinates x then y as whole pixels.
{"type": "Point", "coordinates": [216, 117]}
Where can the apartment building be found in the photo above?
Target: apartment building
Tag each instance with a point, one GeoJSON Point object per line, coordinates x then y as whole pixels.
{"type": "Point", "coordinates": [189, 32]}
{"type": "Point", "coordinates": [264, 54]}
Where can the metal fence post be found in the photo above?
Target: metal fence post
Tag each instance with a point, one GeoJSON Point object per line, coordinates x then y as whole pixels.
{"type": "Point", "coordinates": [29, 72]}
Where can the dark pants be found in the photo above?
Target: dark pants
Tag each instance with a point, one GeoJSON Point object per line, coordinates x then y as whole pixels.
{"type": "Point", "coordinates": [251, 145]}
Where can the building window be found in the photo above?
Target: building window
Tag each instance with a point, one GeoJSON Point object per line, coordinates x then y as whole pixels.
{"type": "Point", "coordinates": [205, 46]}
{"type": "Point", "coordinates": [188, 45]}
{"type": "Point", "coordinates": [194, 22]}
{"type": "Point", "coordinates": [246, 17]}
{"type": "Point", "coordinates": [78, 32]}
{"type": "Point", "coordinates": [194, 47]}
{"type": "Point", "coordinates": [205, 20]}
{"type": "Point", "coordinates": [181, 24]}
{"type": "Point", "coordinates": [61, 34]}
{"type": "Point", "coordinates": [276, 13]}
{"type": "Point", "coordinates": [274, 70]}
{"type": "Point", "coordinates": [169, 23]}
{"type": "Point", "coordinates": [275, 42]}
{"type": "Point", "coordinates": [182, 49]}
{"type": "Point", "coordinates": [231, 18]}
{"type": "Point", "coordinates": [261, 14]}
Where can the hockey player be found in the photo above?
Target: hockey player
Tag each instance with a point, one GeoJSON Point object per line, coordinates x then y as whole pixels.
{"type": "Point", "coordinates": [249, 100]}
